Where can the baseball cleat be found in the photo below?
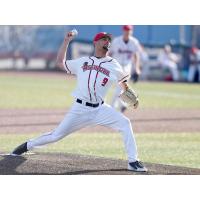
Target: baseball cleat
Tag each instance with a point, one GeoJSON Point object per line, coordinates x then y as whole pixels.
{"type": "Point", "coordinates": [20, 150]}
{"type": "Point", "coordinates": [137, 166]}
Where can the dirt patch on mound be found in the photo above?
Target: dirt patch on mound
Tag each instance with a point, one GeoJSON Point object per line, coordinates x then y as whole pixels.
{"type": "Point", "coordinates": [70, 164]}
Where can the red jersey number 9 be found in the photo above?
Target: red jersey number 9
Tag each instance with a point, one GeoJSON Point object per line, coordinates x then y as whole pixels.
{"type": "Point", "coordinates": [105, 80]}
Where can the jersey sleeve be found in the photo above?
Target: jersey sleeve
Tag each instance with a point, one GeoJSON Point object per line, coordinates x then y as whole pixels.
{"type": "Point", "coordinates": [120, 74]}
{"type": "Point", "coordinates": [71, 66]}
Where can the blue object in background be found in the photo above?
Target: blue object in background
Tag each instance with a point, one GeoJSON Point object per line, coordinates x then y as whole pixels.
{"type": "Point", "coordinates": [49, 38]}
{"type": "Point", "coordinates": [147, 34]}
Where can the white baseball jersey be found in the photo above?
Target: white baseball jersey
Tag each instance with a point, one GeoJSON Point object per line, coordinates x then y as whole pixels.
{"type": "Point", "coordinates": [123, 52]}
{"type": "Point", "coordinates": [94, 76]}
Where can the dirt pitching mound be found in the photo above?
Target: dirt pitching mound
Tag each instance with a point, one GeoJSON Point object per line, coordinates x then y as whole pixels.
{"type": "Point", "coordinates": [70, 164]}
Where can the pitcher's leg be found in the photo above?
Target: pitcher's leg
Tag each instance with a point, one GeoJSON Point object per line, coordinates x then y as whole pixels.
{"type": "Point", "coordinates": [125, 128]}
{"type": "Point", "coordinates": [70, 123]}
{"type": "Point", "coordinates": [73, 121]}
{"type": "Point", "coordinates": [107, 116]}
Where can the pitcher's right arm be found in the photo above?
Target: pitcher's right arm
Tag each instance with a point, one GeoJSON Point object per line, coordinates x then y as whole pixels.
{"type": "Point", "coordinates": [62, 52]}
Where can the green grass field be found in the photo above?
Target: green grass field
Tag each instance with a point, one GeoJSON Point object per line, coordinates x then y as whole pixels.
{"type": "Point", "coordinates": [168, 148]}
{"type": "Point", "coordinates": [36, 92]}
{"type": "Point", "coordinates": [175, 148]}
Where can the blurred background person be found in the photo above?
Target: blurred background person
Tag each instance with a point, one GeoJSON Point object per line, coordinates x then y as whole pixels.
{"type": "Point", "coordinates": [194, 66]}
{"type": "Point", "coordinates": [169, 60]}
{"type": "Point", "coordinates": [144, 62]}
{"type": "Point", "coordinates": [126, 50]}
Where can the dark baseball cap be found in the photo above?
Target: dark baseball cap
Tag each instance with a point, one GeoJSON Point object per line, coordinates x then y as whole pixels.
{"type": "Point", "coordinates": [101, 35]}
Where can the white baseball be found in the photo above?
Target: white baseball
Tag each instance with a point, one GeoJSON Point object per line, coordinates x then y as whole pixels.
{"type": "Point", "coordinates": [74, 32]}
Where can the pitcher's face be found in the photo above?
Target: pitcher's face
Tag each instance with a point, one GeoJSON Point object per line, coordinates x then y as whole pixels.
{"type": "Point", "coordinates": [103, 44]}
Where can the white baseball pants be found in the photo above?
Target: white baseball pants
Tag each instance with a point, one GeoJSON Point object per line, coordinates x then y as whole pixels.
{"type": "Point", "coordinates": [81, 116]}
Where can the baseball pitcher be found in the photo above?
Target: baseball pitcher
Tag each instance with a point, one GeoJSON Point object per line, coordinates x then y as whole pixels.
{"type": "Point", "coordinates": [95, 75]}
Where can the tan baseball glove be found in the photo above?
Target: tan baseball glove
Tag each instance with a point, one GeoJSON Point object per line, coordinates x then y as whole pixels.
{"type": "Point", "coordinates": [130, 98]}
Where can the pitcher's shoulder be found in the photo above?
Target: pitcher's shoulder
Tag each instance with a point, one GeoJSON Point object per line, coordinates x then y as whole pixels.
{"type": "Point", "coordinates": [115, 64]}
{"type": "Point", "coordinates": [114, 61]}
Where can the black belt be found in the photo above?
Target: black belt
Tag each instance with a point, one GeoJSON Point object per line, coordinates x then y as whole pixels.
{"type": "Point", "coordinates": [88, 104]}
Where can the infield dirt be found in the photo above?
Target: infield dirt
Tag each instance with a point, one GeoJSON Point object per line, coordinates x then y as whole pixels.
{"type": "Point", "coordinates": [72, 164]}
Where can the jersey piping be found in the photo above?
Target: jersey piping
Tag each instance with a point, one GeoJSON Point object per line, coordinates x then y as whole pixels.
{"type": "Point", "coordinates": [89, 79]}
